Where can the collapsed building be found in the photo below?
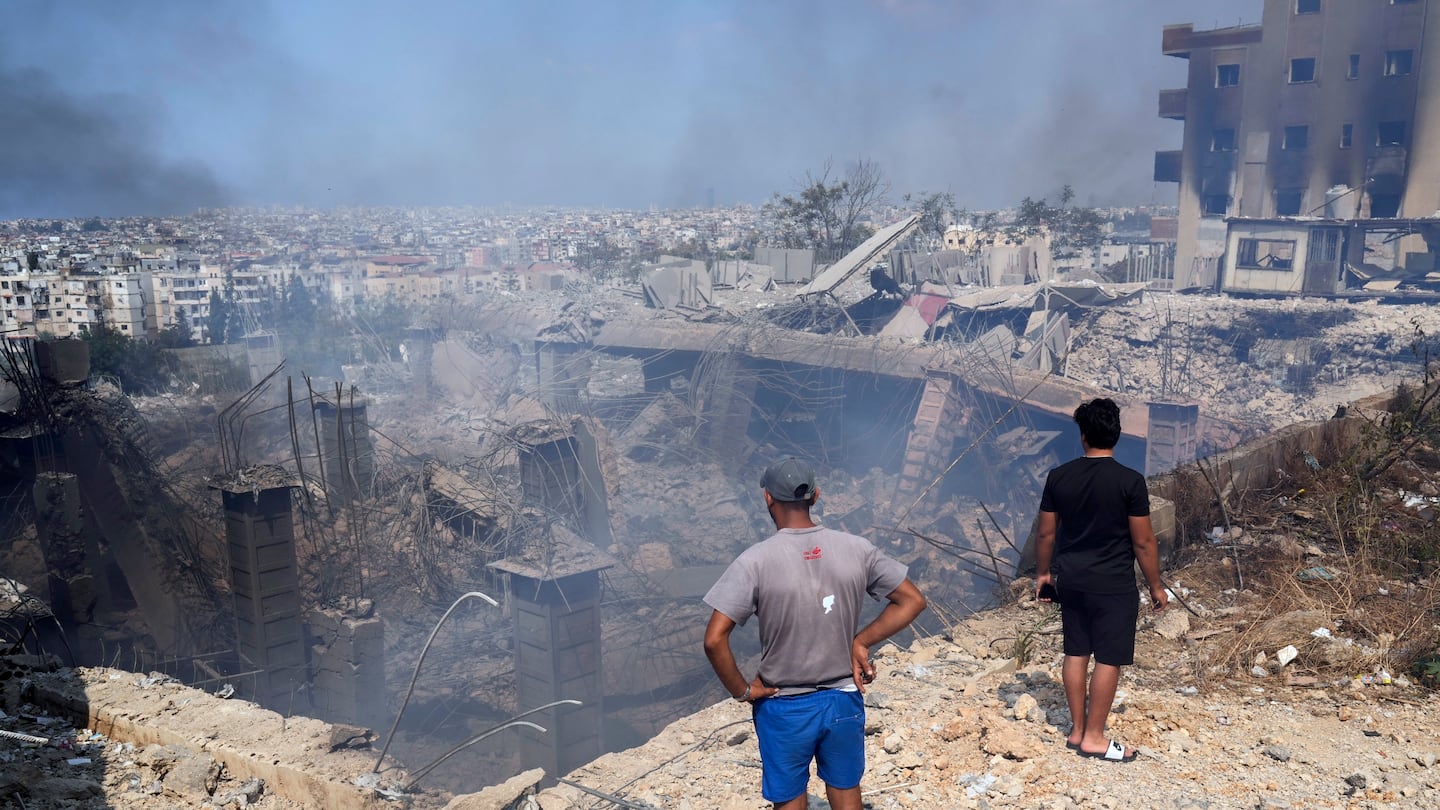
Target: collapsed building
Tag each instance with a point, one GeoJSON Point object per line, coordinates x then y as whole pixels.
{"type": "Point", "coordinates": [588, 461]}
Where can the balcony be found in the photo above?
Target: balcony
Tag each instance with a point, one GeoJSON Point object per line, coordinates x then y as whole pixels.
{"type": "Point", "coordinates": [1173, 103]}
{"type": "Point", "coordinates": [1167, 166]}
{"type": "Point", "coordinates": [1180, 40]}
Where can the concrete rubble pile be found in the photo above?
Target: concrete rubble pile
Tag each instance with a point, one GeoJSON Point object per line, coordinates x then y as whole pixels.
{"type": "Point", "coordinates": [1198, 348]}
{"type": "Point", "coordinates": [977, 717]}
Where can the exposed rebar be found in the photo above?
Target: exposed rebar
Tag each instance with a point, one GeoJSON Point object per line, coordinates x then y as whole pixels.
{"type": "Point", "coordinates": [416, 674]}
{"type": "Point", "coordinates": [609, 797]}
{"type": "Point", "coordinates": [514, 721]}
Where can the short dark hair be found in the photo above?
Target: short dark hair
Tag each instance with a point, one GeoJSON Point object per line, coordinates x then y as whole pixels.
{"type": "Point", "coordinates": [1099, 421]}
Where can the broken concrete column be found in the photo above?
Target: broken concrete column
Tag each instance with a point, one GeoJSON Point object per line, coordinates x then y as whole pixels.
{"type": "Point", "coordinates": [265, 582]}
{"type": "Point", "coordinates": [725, 401]}
{"type": "Point", "coordinates": [927, 448]}
{"type": "Point", "coordinates": [63, 362]}
{"type": "Point", "coordinates": [555, 599]}
{"type": "Point", "coordinates": [347, 451]}
{"type": "Point", "coordinates": [549, 471]}
{"type": "Point", "coordinates": [60, 528]}
{"type": "Point", "coordinates": [420, 355]}
{"type": "Point", "coordinates": [564, 374]}
{"type": "Point", "coordinates": [594, 500]}
{"type": "Point", "coordinates": [1172, 436]}
{"type": "Point", "coordinates": [560, 474]}
{"type": "Point", "coordinates": [347, 659]}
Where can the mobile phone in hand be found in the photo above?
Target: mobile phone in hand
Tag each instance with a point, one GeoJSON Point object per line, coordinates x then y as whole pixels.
{"type": "Point", "coordinates": [1047, 591]}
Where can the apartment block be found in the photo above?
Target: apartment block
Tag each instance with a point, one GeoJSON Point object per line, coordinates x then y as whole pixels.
{"type": "Point", "coordinates": [1327, 108]}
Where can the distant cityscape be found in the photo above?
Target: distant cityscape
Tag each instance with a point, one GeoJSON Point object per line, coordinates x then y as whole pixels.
{"type": "Point", "coordinates": [138, 276]}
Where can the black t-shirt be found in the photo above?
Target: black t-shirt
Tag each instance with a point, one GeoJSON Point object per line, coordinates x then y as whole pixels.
{"type": "Point", "coordinates": [1094, 499]}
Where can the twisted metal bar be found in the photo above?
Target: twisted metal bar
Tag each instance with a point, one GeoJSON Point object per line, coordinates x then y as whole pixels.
{"type": "Point", "coordinates": [416, 674]}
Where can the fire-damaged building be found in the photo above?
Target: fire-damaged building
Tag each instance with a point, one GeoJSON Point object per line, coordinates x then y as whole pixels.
{"type": "Point", "coordinates": [1322, 110]}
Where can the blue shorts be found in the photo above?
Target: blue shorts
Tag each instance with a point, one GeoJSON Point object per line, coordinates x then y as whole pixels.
{"type": "Point", "coordinates": [827, 726]}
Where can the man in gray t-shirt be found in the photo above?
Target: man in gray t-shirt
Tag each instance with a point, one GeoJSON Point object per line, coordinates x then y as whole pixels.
{"type": "Point", "coordinates": [806, 584]}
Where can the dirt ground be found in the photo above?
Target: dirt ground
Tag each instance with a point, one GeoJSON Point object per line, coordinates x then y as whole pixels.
{"type": "Point", "coordinates": [953, 722]}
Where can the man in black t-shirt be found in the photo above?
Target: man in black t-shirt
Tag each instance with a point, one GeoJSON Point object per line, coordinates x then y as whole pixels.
{"type": "Point", "coordinates": [1095, 525]}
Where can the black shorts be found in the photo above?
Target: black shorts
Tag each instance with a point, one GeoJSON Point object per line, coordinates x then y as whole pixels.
{"type": "Point", "coordinates": [1100, 624]}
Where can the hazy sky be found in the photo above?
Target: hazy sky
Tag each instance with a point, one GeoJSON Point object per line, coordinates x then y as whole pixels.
{"type": "Point", "coordinates": [147, 106]}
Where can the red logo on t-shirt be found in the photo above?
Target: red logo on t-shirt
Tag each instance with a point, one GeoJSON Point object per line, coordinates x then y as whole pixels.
{"type": "Point", "coordinates": [813, 554]}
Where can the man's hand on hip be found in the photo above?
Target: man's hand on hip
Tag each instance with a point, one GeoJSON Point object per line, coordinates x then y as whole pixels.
{"type": "Point", "coordinates": [860, 667]}
{"type": "Point", "coordinates": [755, 690]}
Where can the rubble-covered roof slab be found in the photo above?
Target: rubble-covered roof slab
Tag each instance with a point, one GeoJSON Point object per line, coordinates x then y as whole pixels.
{"type": "Point", "coordinates": [883, 240]}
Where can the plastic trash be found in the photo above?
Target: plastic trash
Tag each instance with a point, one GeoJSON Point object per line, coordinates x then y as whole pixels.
{"type": "Point", "coordinates": [1322, 632]}
{"type": "Point", "coordinates": [1286, 654]}
{"type": "Point", "coordinates": [976, 785]}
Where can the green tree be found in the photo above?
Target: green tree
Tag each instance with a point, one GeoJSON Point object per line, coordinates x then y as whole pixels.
{"type": "Point", "coordinates": [176, 335]}
{"type": "Point", "coordinates": [234, 317]}
{"type": "Point", "coordinates": [827, 214]}
{"type": "Point", "coordinates": [1072, 228]}
{"type": "Point", "coordinates": [598, 257]}
{"type": "Point", "coordinates": [379, 328]}
{"type": "Point", "coordinates": [141, 367]}
{"type": "Point", "coordinates": [298, 307]}
{"type": "Point", "coordinates": [218, 323]}
{"type": "Point", "coordinates": [32, 260]}
{"type": "Point", "coordinates": [937, 212]}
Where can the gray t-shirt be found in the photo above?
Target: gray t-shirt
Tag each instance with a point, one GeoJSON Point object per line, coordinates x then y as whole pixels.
{"type": "Point", "coordinates": [806, 586]}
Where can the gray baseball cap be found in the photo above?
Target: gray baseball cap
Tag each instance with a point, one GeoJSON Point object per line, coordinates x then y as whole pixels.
{"type": "Point", "coordinates": [789, 480]}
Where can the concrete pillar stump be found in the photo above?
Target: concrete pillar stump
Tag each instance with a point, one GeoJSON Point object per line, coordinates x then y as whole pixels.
{"type": "Point", "coordinates": [555, 599]}
{"type": "Point", "coordinates": [1172, 437]}
{"type": "Point", "coordinates": [260, 534]}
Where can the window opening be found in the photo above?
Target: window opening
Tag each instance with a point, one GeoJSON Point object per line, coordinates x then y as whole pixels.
{"type": "Point", "coordinates": [1302, 70]}
{"type": "Point", "coordinates": [1399, 63]}
{"type": "Point", "coordinates": [1390, 133]}
{"type": "Point", "coordinates": [1266, 254]}
{"type": "Point", "coordinates": [1288, 202]}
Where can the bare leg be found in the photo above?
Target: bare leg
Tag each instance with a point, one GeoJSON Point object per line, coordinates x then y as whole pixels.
{"type": "Point", "coordinates": [844, 799]}
{"type": "Point", "coordinates": [801, 802]}
{"type": "Point", "coordinates": [1103, 683]}
{"type": "Point", "coordinates": [1072, 674]}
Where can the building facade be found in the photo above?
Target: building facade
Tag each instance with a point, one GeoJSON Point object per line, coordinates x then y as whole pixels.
{"type": "Point", "coordinates": [1328, 108]}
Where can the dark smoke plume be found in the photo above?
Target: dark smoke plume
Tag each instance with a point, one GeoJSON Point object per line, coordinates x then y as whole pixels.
{"type": "Point", "coordinates": [68, 156]}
